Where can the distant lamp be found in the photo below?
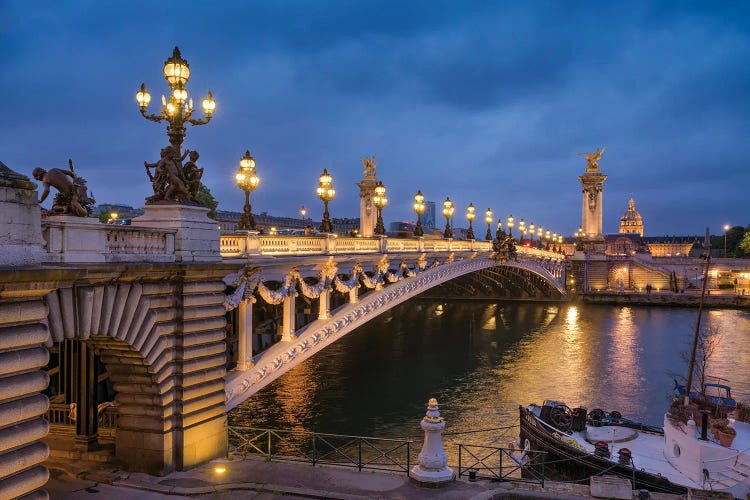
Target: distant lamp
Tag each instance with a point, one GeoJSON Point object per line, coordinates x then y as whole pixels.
{"type": "Point", "coordinates": [419, 210]}
{"type": "Point", "coordinates": [380, 202]}
{"type": "Point", "coordinates": [522, 229]}
{"type": "Point", "coordinates": [326, 193]}
{"type": "Point", "coordinates": [470, 217]}
{"type": "Point", "coordinates": [510, 225]}
{"type": "Point", "coordinates": [488, 220]}
{"type": "Point", "coordinates": [248, 181]}
{"type": "Point", "coordinates": [448, 209]}
{"type": "Point", "coordinates": [531, 233]}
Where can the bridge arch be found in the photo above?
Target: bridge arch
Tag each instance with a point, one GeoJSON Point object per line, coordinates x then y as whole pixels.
{"type": "Point", "coordinates": [162, 344]}
{"type": "Point", "coordinates": [315, 336]}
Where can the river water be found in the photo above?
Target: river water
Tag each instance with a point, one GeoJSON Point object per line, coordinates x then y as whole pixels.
{"type": "Point", "coordinates": [482, 360]}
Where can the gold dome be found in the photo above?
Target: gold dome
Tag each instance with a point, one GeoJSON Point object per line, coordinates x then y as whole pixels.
{"type": "Point", "coordinates": [631, 221]}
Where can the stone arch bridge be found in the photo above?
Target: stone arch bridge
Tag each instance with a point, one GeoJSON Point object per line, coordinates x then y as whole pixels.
{"type": "Point", "coordinates": [90, 312]}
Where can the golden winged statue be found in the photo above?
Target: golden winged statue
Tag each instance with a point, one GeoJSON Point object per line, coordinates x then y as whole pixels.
{"type": "Point", "coordinates": [593, 158]}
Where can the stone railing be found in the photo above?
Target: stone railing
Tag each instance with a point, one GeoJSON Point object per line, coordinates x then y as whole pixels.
{"type": "Point", "coordinates": [139, 241]}
{"type": "Point", "coordinates": [246, 243]}
{"type": "Point", "coordinates": [86, 240]}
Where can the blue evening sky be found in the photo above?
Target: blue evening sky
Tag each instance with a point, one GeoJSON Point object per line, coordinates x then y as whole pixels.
{"type": "Point", "coordinates": [485, 102]}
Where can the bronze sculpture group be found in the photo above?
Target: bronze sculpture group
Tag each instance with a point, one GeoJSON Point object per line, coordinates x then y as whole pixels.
{"type": "Point", "coordinates": [72, 197]}
{"type": "Point", "coordinates": [172, 181]}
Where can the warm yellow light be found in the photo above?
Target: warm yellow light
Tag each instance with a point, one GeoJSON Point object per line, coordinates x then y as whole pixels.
{"type": "Point", "coordinates": [303, 211]}
{"type": "Point", "coordinates": [325, 177]}
{"type": "Point", "coordinates": [419, 197]}
{"type": "Point", "coordinates": [180, 95]}
{"type": "Point", "coordinates": [220, 469]}
{"type": "Point", "coordinates": [113, 215]}
{"type": "Point", "coordinates": [142, 96]}
{"type": "Point", "coordinates": [208, 103]}
{"type": "Point", "coordinates": [247, 161]}
{"type": "Point", "coordinates": [470, 212]}
{"type": "Point", "coordinates": [488, 216]}
{"type": "Point", "coordinates": [522, 226]}
{"type": "Point", "coordinates": [540, 232]}
{"type": "Point", "coordinates": [171, 108]}
{"type": "Point", "coordinates": [726, 227]}
{"type": "Point", "coordinates": [176, 69]}
{"type": "Point", "coordinates": [510, 221]}
{"type": "Point", "coordinates": [240, 177]}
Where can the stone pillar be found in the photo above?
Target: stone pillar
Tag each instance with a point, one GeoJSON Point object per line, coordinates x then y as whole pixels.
{"type": "Point", "coordinates": [433, 463]}
{"type": "Point", "coordinates": [288, 318]}
{"type": "Point", "coordinates": [592, 188]}
{"type": "Point", "coordinates": [197, 236]}
{"type": "Point", "coordinates": [20, 227]}
{"type": "Point", "coordinates": [325, 304]}
{"type": "Point", "coordinates": [245, 348]}
{"type": "Point", "coordinates": [368, 213]}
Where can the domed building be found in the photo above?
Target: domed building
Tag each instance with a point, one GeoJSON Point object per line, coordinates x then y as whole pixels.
{"type": "Point", "coordinates": [631, 221]}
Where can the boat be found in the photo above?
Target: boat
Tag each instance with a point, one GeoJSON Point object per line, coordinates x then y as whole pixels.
{"type": "Point", "coordinates": [670, 459]}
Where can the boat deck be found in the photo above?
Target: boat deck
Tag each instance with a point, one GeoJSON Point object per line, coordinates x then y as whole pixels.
{"type": "Point", "coordinates": [646, 449]}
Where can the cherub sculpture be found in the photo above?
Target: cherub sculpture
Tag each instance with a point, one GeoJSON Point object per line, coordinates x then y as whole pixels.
{"type": "Point", "coordinates": [193, 175]}
{"type": "Point", "coordinates": [168, 180]}
{"type": "Point", "coordinates": [72, 197]}
{"type": "Point", "coordinates": [593, 158]}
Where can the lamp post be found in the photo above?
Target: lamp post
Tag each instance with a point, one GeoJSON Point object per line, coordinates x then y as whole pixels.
{"type": "Point", "coordinates": [247, 180]}
{"type": "Point", "coordinates": [177, 110]}
{"type": "Point", "coordinates": [522, 229]}
{"type": "Point", "coordinates": [499, 229]}
{"type": "Point", "coordinates": [559, 243]}
{"type": "Point", "coordinates": [540, 234]}
{"type": "Point", "coordinates": [547, 236]}
{"type": "Point", "coordinates": [302, 213]}
{"type": "Point", "coordinates": [554, 241]}
{"type": "Point", "coordinates": [419, 210]}
{"type": "Point", "coordinates": [112, 218]}
{"type": "Point", "coordinates": [726, 228]}
{"type": "Point", "coordinates": [380, 202]}
{"type": "Point", "coordinates": [470, 217]}
{"type": "Point", "coordinates": [488, 220]}
{"type": "Point", "coordinates": [326, 193]}
{"type": "Point", "coordinates": [448, 209]}
{"type": "Point", "coordinates": [510, 225]}
{"type": "Point", "coordinates": [531, 233]}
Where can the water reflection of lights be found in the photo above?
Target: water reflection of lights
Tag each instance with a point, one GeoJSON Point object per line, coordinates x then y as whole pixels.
{"type": "Point", "coordinates": [439, 310]}
{"type": "Point", "coordinates": [572, 316]}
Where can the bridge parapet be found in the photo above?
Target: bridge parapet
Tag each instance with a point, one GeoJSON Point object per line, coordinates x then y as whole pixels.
{"type": "Point", "coordinates": [250, 243]}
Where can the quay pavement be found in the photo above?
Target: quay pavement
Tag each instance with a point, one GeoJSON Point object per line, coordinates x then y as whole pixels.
{"type": "Point", "coordinates": [256, 479]}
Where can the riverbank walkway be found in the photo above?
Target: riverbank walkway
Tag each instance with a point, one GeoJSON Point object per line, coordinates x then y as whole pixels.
{"type": "Point", "coordinates": [256, 479]}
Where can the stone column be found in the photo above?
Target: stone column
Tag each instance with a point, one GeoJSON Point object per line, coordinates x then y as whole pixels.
{"type": "Point", "coordinates": [433, 463]}
{"type": "Point", "coordinates": [324, 311]}
{"type": "Point", "coordinates": [288, 318]}
{"type": "Point", "coordinates": [197, 237]}
{"type": "Point", "coordinates": [245, 348]}
{"type": "Point", "coordinates": [592, 188]}
{"type": "Point", "coordinates": [368, 213]}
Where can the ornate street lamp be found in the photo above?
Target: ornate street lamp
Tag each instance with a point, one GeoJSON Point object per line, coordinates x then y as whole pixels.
{"type": "Point", "coordinates": [177, 110]}
{"type": "Point", "coordinates": [488, 220]}
{"type": "Point", "coordinates": [380, 202]}
{"type": "Point", "coordinates": [547, 236]}
{"type": "Point", "coordinates": [302, 213]}
{"type": "Point", "coordinates": [540, 235]}
{"type": "Point", "coordinates": [247, 180]}
{"type": "Point", "coordinates": [419, 210]}
{"type": "Point", "coordinates": [522, 228]}
{"type": "Point", "coordinates": [326, 193]}
{"type": "Point", "coordinates": [510, 225]}
{"type": "Point", "coordinates": [499, 229]}
{"type": "Point", "coordinates": [554, 241]}
{"type": "Point", "coordinates": [531, 233]}
{"type": "Point", "coordinates": [448, 209]}
{"type": "Point", "coordinates": [470, 217]}
{"type": "Point", "coordinates": [559, 243]}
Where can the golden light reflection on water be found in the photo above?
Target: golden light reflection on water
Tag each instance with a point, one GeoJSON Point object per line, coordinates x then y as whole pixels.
{"type": "Point", "coordinates": [376, 381]}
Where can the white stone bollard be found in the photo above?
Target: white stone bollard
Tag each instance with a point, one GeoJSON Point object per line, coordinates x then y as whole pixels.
{"type": "Point", "coordinates": [433, 463]}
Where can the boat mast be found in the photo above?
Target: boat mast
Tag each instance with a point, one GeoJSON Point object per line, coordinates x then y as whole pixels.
{"type": "Point", "coordinates": [698, 325]}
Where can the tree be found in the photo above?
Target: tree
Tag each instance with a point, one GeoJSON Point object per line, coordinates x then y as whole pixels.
{"type": "Point", "coordinates": [744, 245]}
{"type": "Point", "coordinates": [207, 199]}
